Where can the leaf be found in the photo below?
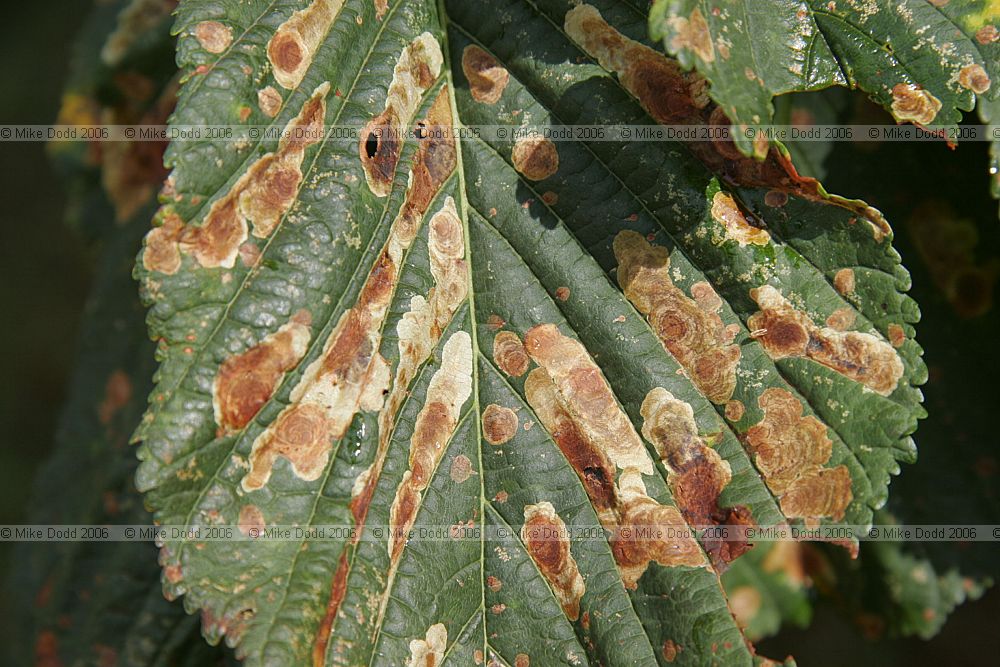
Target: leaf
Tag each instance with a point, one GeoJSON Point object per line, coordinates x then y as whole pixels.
{"type": "Point", "coordinates": [769, 588]}
{"type": "Point", "coordinates": [924, 61]}
{"type": "Point", "coordinates": [91, 602]}
{"type": "Point", "coordinates": [511, 335]}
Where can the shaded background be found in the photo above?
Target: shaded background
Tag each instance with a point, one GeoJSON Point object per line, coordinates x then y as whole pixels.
{"type": "Point", "coordinates": [46, 270]}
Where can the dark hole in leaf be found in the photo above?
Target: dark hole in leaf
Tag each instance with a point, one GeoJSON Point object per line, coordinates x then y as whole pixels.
{"type": "Point", "coordinates": [371, 145]}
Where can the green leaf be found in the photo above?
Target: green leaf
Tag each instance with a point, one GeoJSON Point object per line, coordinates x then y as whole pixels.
{"type": "Point", "coordinates": [91, 602]}
{"type": "Point", "coordinates": [923, 61]}
{"type": "Point", "coordinates": [499, 334]}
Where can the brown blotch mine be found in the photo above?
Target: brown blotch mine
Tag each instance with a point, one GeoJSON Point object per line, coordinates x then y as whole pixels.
{"type": "Point", "coordinates": [694, 335]}
{"type": "Point", "coordinates": [897, 336]}
{"type": "Point", "coordinates": [975, 78]}
{"type": "Point", "coordinates": [461, 469]}
{"type": "Point", "coordinates": [726, 212]}
{"type": "Point", "coordinates": [775, 198]}
{"type": "Point", "coordinates": [499, 424]}
{"type": "Point", "coordinates": [509, 354]}
{"type": "Point", "coordinates": [911, 102]}
{"type": "Point", "coordinates": [351, 375]}
{"type": "Point", "coordinates": [447, 391]}
{"type": "Point", "coordinates": [293, 45]}
{"type": "Point", "coordinates": [734, 410]}
{"type": "Point", "coordinates": [787, 332]}
{"type": "Point", "coordinates": [380, 144]}
{"type": "Point", "coordinates": [789, 451]}
{"type": "Point", "coordinates": [245, 382]}
{"type": "Point", "coordinates": [522, 660]}
{"type": "Point", "coordinates": [617, 507]}
{"type": "Point", "coordinates": [670, 650]}
{"type": "Point", "coordinates": [589, 461]}
{"type": "Point", "coordinates": [338, 590]}
{"type": "Point", "coordinates": [841, 319]}
{"type": "Point", "coordinates": [494, 584]}
{"type": "Point", "coordinates": [692, 33]}
{"type": "Point", "coordinates": [161, 252]}
{"type": "Point", "coordinates": [213, 36]}
{"type": "Point", "coordinates": [535, 158]}
{"type": "Point", "coordinates": [696, 472]}
{"type": "Point", "coordinates": [673, 97]}
{"type": "Point", "coordinates": [586, 396]}
{"type": "Point", "coordinates": [547, 542]}
{"type": "Point", "coordinates": [487, 77]}
{"type": "Point", "coordinates": [251, 519]}
{"type": "Point", "coordinates": [429, 651]}
{"type": "Point", "coordinates": [634, 552]}
{"type": "Point", "coordinates": [843, 281]}
{"type": "Point", "coordinates": [262, 196]}
{"type": "Point", "coordinates": [269, 100]}
{"type": "Point", "coordinates": [562, 293]}
{"type": "Point", "coordinates": [744, 603]}
{"type": "Point", "coordinates": [117, 394]}
{"type": "Point", "coordinates": [987, 34]}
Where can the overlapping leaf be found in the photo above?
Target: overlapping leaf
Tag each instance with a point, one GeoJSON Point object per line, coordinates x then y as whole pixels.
{"type": "Point", "coordinates": [924, 61]}
{"type": "Point", "coordinates": [494, 333]}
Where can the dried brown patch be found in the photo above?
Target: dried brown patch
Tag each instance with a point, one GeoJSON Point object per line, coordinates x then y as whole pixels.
{"type": "Point", "coordinates": [351, 375]}
{"type": "Point", "coordinates": [897, 336]}
{"type": "Point", "coordinates": [261, 196]}
{"type": "Point", "coordinates": [987, 34]}
{"type": "Point", "coordinates": [337, 591]}
{"type": "Point", "coordinates": [213, 36]}
{"type": "Point", "coordinates": [975, 78]}
{"type": "Point", "coordinates": [380, 145]}
{"type": "Point", "coordinates": [633, 551]}
{"type": "Point", "coordinates": [697, 474]}
{"type": "Point", "coordinates": [670, 650]}
{"type": "Point", "coordinates": [672, 96]}
{"type": "Point", "coordinates": [589, 462]}
{"type": "Point", "coordinates": [251, 520]}
{"type": "Point", "coordinates": [245, 382]}
{"type": "Point", "coordinates": [509, 354]}
{"type": "Point", "coordinates": [843, 281]}
{"type": "Point", "coordinates": [461, 469]}
{"type": "Point", "coordinates": [535, 158]}
{"type": "Point", "coordinates": [117, 394]}
{"type": "Point", "coordinates": [547, 542]}
{"type": "Point", "coordinates": [429, 651]}
{"type": "Point", "coordinates": [487, 77]}
{"type": "Point", "coordinates": [789, 451]}
{"type": "Point", "coordinates": [301, 434]}
{"type": "Point", "coordinates": [694, 335]}
{"type": "Point", "coordinates": [269, 100]}
{"type": "Point", "coordinates": [787, 332]}
{"type": "Point", "coordinates": [448, 390]}
{"type": "Point", "coordinates": [586, 396]}
{"type": "Point", "coordinates": [911, 102]}
{"type": "Point", "coordinates": [619, 508]}
{"type": "Point", "coordinates": [294, 44]}
{"type": "Point", "coordinates": [775, 198]}
{"type": "Point", "coordinates": [499, 424]}
{"type": "Point", "coordinates": [692, 33]}
{"type": "Point", "coordinates": [726, 212]}
{"type": "Point", "coordinates": [744, 603]}
{"type": "Point", "coordinates": [841, 319]}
